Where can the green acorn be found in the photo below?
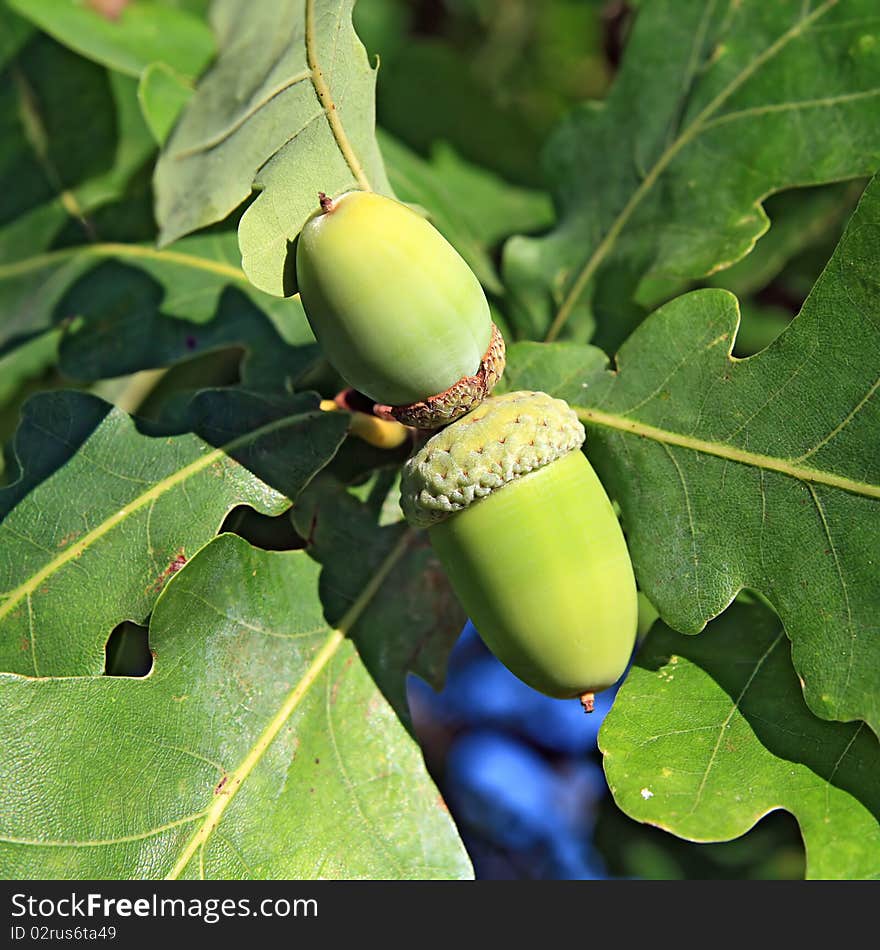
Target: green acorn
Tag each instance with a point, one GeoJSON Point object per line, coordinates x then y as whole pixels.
{"type": "Point", "coordinates": [396, 310]}
{"type": "Point", "coordinates": [530, 542]}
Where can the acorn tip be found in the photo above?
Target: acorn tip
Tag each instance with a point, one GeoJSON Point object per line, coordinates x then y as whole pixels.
{"type": "Point", "coordinates": [588, 701]}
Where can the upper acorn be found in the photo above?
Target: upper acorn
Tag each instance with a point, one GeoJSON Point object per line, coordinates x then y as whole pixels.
{"type": "Point", "coordinates": [396, 309]}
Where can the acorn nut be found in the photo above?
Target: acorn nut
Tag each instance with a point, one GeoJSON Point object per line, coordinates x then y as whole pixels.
{"type": "Point", "coordinates": [397, 311]}
{"type": "Point", "coordinates": [530, 542]}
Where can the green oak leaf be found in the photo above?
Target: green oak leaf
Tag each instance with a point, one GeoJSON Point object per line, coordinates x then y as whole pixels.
{"type": "Point", "coordinates": [717, 105]}
{"type": "Point", "coordinates": [286, 110]}
{"type": "Point", "coordinates": [806, 224]}
{"type": "Point", "coordinates": [100, 511]}
{"type": "Point", "coordinates": [159, 44]}
{"type": "Point", "coordinates": [759, 473]}
{"type": "Point", "coordinates": [414, 624]}
{"type": "Point", "coordinates": [257, 747]}
{"type": "Point", "coordinates": [803, 221]}
{"type": "Point", "coordinates": [65, 210]}
{"type": "Point", "coordinates": [472, 208]}
{"type": "Point", "coordinates": [708, 734]}
{"type": "Point", "coordinates": [143, 32]}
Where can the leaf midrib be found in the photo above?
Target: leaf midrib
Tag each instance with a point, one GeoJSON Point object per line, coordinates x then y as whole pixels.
{"type": "Point", "coordinates": [730, 453]}
{"type": "Point", "coordinates": [586, 272]}
{"type": "Point", "coordinates": [112, 249]}
{"type": "Point", "coordinates": [14, 597]}
{"type": "Point", "coordinates": [325, 654]}
{"type": "Point", "coordinates": [315, 75]}
{"type": "Point", "coordinates": [322, 90]}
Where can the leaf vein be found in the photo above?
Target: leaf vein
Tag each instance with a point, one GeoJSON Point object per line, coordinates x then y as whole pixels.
{"type": "Point", "coordinates": [736, 705]}
{"type": "Point", "coordinates": [693, 530]}
{"type": "Point", "coordinates": [214, 813]}
{"type": "Point", "coordinates": [842, 425]}
{"type": "Point", "coordinates": [103, 842]}
{"type": "Point", "coordinates": [160, 488]}
{"type": "Point", "coordinates": [239, 622]}
{"type": "Point", "coordinates": [843, 586]}
{"type": "Point", "coordinates": [728, 452]}
{"type": "Point", "coordinates": [220, 137]}
{"type": "Point", "coordinates": [824, 102]}
{"type": "Point", "coordinates": [592, 264]}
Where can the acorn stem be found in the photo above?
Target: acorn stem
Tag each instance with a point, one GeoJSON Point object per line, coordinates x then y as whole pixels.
{"type": "Point", "coordinates": [326, 203]}
{"type": "Point", "coordinates": [588, 701]}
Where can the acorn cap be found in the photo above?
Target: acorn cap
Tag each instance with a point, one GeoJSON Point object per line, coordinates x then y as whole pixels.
{"type": "Point", "coordinates": [502, 439]}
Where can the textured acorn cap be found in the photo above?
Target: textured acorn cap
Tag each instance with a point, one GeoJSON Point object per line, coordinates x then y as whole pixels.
{"type": "Point", "coordinates": [504, 438]}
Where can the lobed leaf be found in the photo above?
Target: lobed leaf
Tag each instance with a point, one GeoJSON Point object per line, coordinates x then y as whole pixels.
{"type": "Point", "coordinates": [716, 106]}
{"type": "Point", "coordinates": [800, 219]}
{"type": "Point", "coordinates": [709, 734]}
{"type": "Point", "coordinates": [74, 148]}
{"type": "Point", "coordinates": [287, 110]}
{"type": "Point", "coordinates": [758, 473]}
{"type": "Point", "coordinates": [257, 747]}
{"type": "Point", "coordinates": [102, 514]}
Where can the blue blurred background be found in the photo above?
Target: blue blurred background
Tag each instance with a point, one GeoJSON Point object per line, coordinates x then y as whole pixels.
{"type": "Point", "coordinates": [523, 779]}
{"type": "Point", "coordinates": [520, 771]}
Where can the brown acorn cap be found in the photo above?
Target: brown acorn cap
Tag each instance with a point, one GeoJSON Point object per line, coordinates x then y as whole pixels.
{"type": "Point", "coordinates": [502, 439]}
{"type": "Point", "coordinates": [461, 397]}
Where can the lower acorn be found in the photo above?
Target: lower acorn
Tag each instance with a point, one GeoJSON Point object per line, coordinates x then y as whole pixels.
{"type": "Point", "coordinates": [530, 542]}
